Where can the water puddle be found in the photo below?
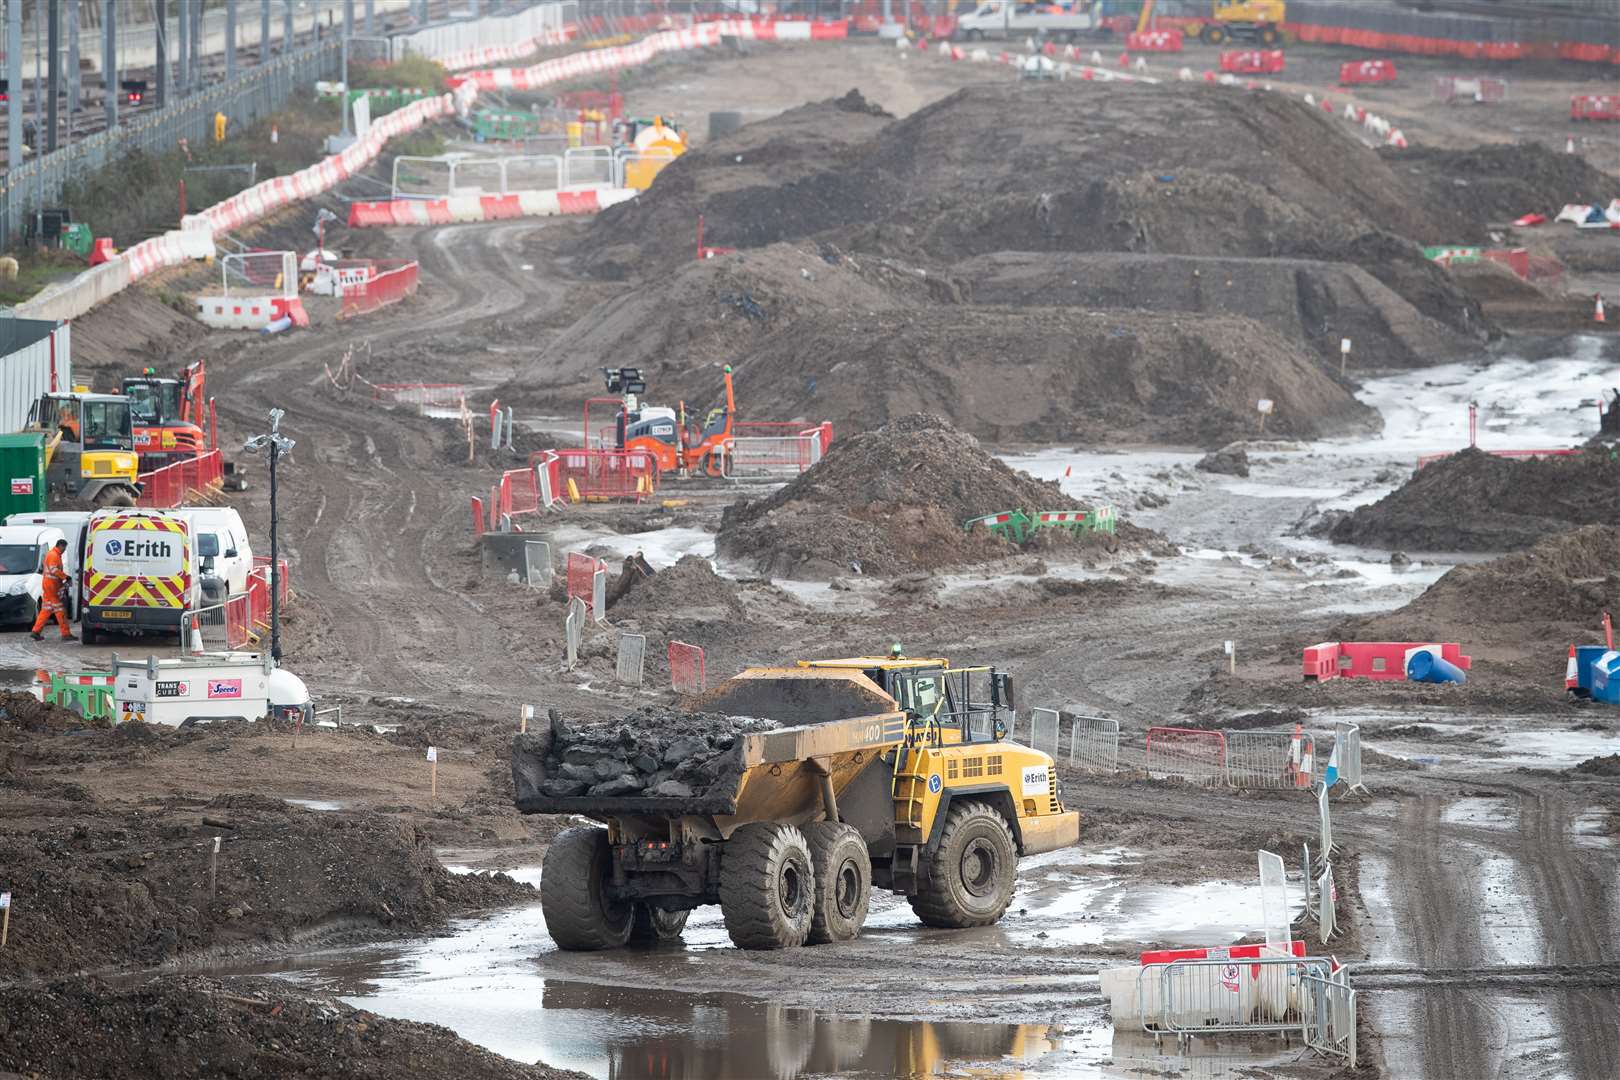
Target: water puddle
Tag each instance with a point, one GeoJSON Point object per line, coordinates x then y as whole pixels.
{"type": "Point", "coordinates": [317, 804]}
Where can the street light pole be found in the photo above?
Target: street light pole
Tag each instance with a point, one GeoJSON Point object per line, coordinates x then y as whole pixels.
{"type": "Point", "coordinates": [278, 446]}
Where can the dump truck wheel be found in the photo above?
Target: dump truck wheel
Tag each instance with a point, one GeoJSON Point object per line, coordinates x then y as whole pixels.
{"type": "Point", "coordinates": [843, 881]}
{"type": "Point", "coordinates": [579, 916]}
{"type": "Point", "coordinates": [654, 924]}
{"type": "Point", "coordinates": [767, 886]}
{"type": "Point", "coordinates": [969, 879]}
{"type": "Point", "coordinates": [113, 496]}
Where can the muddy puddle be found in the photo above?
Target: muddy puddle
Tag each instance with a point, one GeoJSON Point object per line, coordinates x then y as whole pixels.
{"type": "Point", "coordinates": [494, 981]}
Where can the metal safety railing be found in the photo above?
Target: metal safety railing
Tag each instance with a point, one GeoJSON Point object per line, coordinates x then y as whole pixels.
{"type": "Point", "coordinates": [1329, 1014]}
{"type": "Point", "coordinates": [631, 659]}
{"type": "Point", "coordinates": [249, 97]}
{"type": "Point", "coordinates": [1189, 998]}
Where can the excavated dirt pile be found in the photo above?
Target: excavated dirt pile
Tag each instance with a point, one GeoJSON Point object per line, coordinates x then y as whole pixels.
{"type": "Point", "coordinates": [1308, 301]}
{"type": "Point", "coordinates": [1495, 184]}
{"type": "Point", "coordinates": [654, 752]}
{"type": "Point", "coordinates": [188, 1027]}
{"type": "Point", "coordinates": [1066, 167]}
{"type": "Point", "coordinates": [1554, 593]}
{"type": "Point", "coordinates": [1473, 501]}
{"type": "Point", "coordinates": [884, 502]}
{"type": "Point", "coordinates": [1049, 374]}
{"type": "Point", "coordinates": [130, 885]}
{"type": "Point", "coordinates": [690, 589]}
{"type": "Point", "coordinates": [648, 234]}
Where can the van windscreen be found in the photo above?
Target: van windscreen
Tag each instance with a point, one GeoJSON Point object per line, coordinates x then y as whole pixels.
{"type": "Point", "coordinates": [18, 558]}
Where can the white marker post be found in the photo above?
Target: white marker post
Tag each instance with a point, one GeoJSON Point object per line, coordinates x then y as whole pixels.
{"type": "Point", "coordinates": [1265, 405]}
{"type": "Point", "coordinates": [5, 918]}
{"type": "Point", "coordinates": [433, 770]}
{"type": "Point", "coordinates": [1344, 354]}
{"type": "Point", "coordinates": [524, 718]}
{"type": "Point", "coordinates": [213, 870]}
{"type": "Point", "coordinates": [1231, 657]}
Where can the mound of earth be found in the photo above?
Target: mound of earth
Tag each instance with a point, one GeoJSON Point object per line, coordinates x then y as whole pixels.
{"type": "Point", "coordinates": [24, 712]}
{"type": "Point", "coordinates": [1228, 461]}
{"type": "Point", "coordinates": [1608, 765]}
{"type": "Point", "coordinates": [652, 752]}
{"type": "Point", "coordinates": [1316, 303]}
{"type": "Point", "coordinates": [647, 234]}
{"type": "Point", "coordinates": [679, 329]}
{"type": "Point", "coordinates": [1473, 501]}
{"type": "Point", "coordinates": [1065, 167]}
{"type": "Point", "coordinates": [189, 1027]}
{"type": "Point", "coordinates": [690, 589]}
{"type": "Point", "coordinates": [1552, 594]}
{"type": "Point", "coordinates": [131, 885]}
{"type": "Point", "coordinates": [884, 502]}
{"type": "Point", "coordinates": [1498, 183]}
{"type": "Point", "coordinates": [1031, 374]}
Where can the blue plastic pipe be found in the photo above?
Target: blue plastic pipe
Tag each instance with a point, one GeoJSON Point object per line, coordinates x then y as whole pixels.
{"type": "Point", "coordinates": [1428, 666]}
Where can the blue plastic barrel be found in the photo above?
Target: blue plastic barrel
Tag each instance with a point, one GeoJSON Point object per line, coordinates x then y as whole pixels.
{"type": "Point", "coordinates": [1426, 665]}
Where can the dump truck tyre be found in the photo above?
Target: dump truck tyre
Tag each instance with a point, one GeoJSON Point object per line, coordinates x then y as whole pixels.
{"type": "Point", "coordinates": [969, 878]}
{"type": "Point", "coordinates": [843, 881]}
{"type": "Point", "coordinates": [578, 915]}
{"type": "Point", "coordinates": [767, 886]}
{"type": "Point", "coordinates": [654, 925]}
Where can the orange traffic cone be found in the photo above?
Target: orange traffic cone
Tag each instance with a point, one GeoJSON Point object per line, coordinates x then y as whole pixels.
{"type": "Point", "coordinates": [1571, 682]}
{"type": "Point", "coordinates": [1597, 313]}
{"type": "Point", "coordinates": [196, 637]}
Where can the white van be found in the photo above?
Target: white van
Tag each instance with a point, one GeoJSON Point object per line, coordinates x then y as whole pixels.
{"type": "Point", "coordinates": [224, 555]}
{"type": "Point", "coordinates": [22, 572]}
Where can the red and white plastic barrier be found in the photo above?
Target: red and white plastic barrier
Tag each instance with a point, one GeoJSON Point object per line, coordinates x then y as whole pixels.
{"type": "Point", "coordinates": [1372, 659]}
{"type": "Point", "coordinates": [1252, 61]}
{"type": "Point", "coordinates": [1594, 107]}
{"type": "Point", "coordinates": [466, 208]}
{"type": "Point", "coordinates": [250, 312]}
{"type": "Point", "coordinates": [378, 290]}
{"type": "Point", "coordinates": [1357, 72]}
{"type": "Point", "coordinates": [1155, 41]}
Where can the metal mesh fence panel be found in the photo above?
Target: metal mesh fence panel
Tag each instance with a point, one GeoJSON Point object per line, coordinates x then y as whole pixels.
{"type": "Point", "coordinates": [259, 273]}
{"type": "Point", "coordinates": [632, 654]}
{"type": "Point", "coordinates": [1270, 759]}
{"type": "Point", "coordinates": [1043, 730]}
{"type": "Point", "coordinates": [422, 178]}
{"type": "Point", "coordinates": [1094, 744]}
{"type": "Point", "coordinates": [1274, 900]}
{"type": "Point", "coordinates": [537, 172]}
{"type": "Point", "coordinates": [1198, 757]}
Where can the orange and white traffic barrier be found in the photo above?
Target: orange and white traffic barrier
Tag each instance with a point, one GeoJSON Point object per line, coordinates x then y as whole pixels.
{"type": "Point", "coordinates": [1597, 312]}
{"type": "Point", "coordinates": [472, 208]}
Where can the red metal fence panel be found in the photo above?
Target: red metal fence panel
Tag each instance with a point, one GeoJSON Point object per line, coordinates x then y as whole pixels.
{"type": "Point", "coordinates": [686, 675]}
{"type": "Point", "coordinates": [384, 288]}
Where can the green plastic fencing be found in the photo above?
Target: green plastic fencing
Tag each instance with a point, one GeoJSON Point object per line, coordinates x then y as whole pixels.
{"type": "Point", "coordinates": [384, 100]}
{"type": "Point", "coordinates": [1018, 525]}
{"type": "Point", "coordinates": [490, 125]}
{"type": "Point", "coordinates": [90, 702]}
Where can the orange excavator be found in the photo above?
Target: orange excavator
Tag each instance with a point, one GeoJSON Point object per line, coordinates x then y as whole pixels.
{"type": "Point", "coordinates": [664, 432]}
{"type": "Point", "coordinates": [169, 416]}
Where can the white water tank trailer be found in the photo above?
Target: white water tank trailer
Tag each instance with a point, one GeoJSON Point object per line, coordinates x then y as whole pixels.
{"type": "Point", "coordinates": [206, 686]}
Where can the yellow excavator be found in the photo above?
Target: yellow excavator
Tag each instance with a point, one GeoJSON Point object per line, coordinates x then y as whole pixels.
{"type": "Point", "coordinates": [892, 772]}
{"type": "Point", "coordinates": [1245, 20]}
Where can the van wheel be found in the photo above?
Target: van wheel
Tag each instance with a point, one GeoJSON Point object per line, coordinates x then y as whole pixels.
{"type": "Point", "coordinates": [89, 635]}
{"type": "Point", "coordinates": [969, 879]}
{"type": "Point", "coordinates": [1269, 36]}
{"type": "Point", "coordinates": [1212, 35]}
{"type": "Point", "coordinates": [767, 886]}
{"type": "Point", "coordinates": [655, 925]}
{"type": "Point", "coordinates": [843, 881]}
{"type": "Point", "coordinates": [579, 915]}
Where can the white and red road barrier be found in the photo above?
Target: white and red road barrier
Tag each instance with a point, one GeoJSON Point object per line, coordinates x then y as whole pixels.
{"type": "Point", "coordinates": [379, 288]}
{"type": "Point", "coordinates": [1252, 61]}
{"type": "Point", "coordinates": [250, 312]}
{"type": "Point", "coordinates": [1594, 107]}
{"type": "Point", "coordinates": [1359, 72]}
{"type": "Point", "coordinates": [469, 208]}
{"type": "Point", "coordinates": [1155, 41]}
{"type": "Point", "coordinates": [1372, 659]}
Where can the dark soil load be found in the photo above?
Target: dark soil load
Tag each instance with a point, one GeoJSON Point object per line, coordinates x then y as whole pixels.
{"type": "Point", "coordinates": [1316, 303]}
{"type": "Point", "coordinates": [1600, 766]}
{"type": "Point", "coordinates": [651, 753]}
{"type": "Point", "coordinates": [187, 1027]}
{"type": "Point", "coordinates": [1545, 598]}
{"type": "Point", "coordinates": [1049, 374]}
{"type": "Point", "coordinates": [1472, 501]}
{"type": "Point", "coordinates": [1066, 167]}
{"type": "Point", "coordinates": [884, 502]}
{"type": "Point", "coordinates": [131, 885]}
{"type": "Point", "coordinates": [24, 712]}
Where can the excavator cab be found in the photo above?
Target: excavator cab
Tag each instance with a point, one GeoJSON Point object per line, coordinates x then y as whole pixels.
{"type": "Point", "coordinates": [167, 415]}
{"type": "Point", "coordinates": [665, 432]}
{"type": "Point", "coordinates": [90, 448]}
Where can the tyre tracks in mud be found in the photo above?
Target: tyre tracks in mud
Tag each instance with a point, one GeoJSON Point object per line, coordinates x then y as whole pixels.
{"type": "Point", "coordinates": [366, 501]}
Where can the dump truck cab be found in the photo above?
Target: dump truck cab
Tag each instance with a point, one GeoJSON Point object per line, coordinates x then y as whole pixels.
{"type": "Point", "coordinates": [90, 447]}
{"type": "Point", "coordinates": [890, 772]}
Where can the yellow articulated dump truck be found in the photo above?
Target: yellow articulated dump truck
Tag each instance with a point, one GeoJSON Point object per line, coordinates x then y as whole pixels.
{"type": "Point", "coordinates": [860, 773]}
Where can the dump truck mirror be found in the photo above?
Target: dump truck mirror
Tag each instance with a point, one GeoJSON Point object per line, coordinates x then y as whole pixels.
{"type": "Point", "coordinates": [1001, 690]}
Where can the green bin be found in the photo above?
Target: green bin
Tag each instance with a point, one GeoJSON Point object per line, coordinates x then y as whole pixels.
{"type": "Point", "coordinates": [22, 474]}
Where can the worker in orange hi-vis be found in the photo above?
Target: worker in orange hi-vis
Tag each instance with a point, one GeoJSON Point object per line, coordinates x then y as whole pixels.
{"type": "Point", "coordinates": [56, 580]}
